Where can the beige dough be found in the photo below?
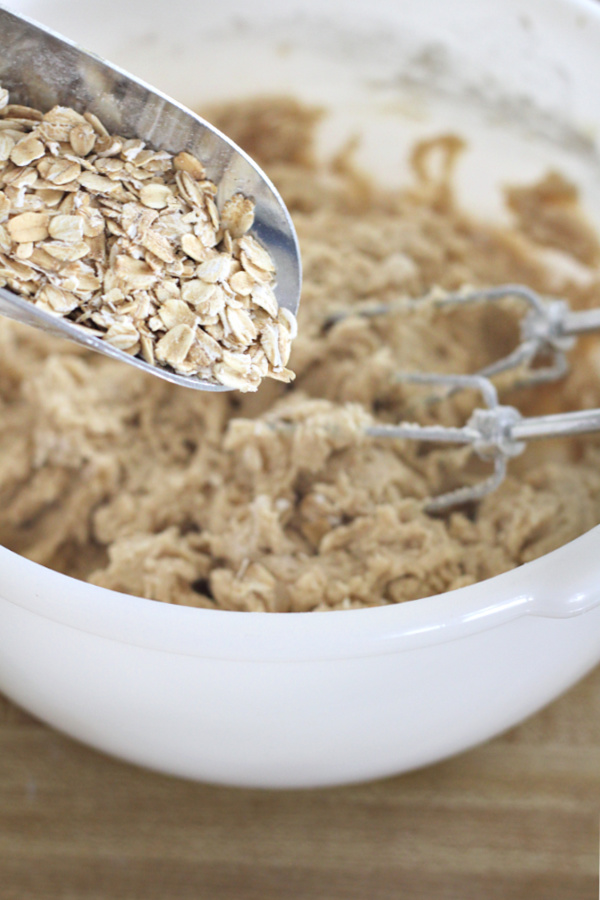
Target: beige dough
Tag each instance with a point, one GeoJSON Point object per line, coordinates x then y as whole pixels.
{"type": "Point", "coordinates": [113, 476]}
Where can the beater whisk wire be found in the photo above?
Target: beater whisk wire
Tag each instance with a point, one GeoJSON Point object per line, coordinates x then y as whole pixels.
{"type": "Point", "coordinates": [495, 432]}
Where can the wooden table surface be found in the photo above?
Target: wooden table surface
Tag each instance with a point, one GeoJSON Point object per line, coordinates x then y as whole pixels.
{"type": "Point", "coordinates": [516, 818]}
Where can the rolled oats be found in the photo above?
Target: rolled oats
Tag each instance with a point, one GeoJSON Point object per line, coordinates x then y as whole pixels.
{"type": "Point", "coordinates": [241, 325]}
{"type": "Point", "coordinates": [238, 215]}
{"type": "Point", "coordinates": [97, 184]}
{"type": "Point", "coordinates": [175, 345]}
{"type": "Point", "coordinates": [123, 335]}
{"type": "Point", "coordinates": [262, 295]}
{"type": "Point", "coordinates": [270, 343]}
{"type": "Point", "coordinates": [242, 283]}
{"type": "Point", "coordinates": [67, 252]}
{"type": "Point", "coordinates": [66, 228]}
{"type": "Point", "coordinates": [193, 247]}
{"type": "Point", "coordinates": [129, 242]}
{"type": "Point", "coordinates": [26, 151]}
{"type": "Point", "coordinates": [55, 300]}
{"type": "Point", "coordinates": [4, 207]}
{"type": "Point", "coordinates": [58, 171]}
{"type": "Point", "coordinates": [176, 312]}
{"type": "Point", "coordinates": [185, 162]}
{"type": "Point", "coordinates": [28, 226]}
{"type": "Point", "coordinates": [215, 269]}
{"type": "Point", "coordinates": [82, 139]}
{"type": "Point", "coordinates": [156, 196]}
{"type": "Point", "coordinates": [6, 145]}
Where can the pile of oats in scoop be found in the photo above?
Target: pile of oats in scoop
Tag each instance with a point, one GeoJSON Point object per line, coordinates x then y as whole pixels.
{"type": "Point", "coordinates": [128, 242]}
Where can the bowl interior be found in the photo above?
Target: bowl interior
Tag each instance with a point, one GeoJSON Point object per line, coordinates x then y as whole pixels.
{"type": "Point", "coordinates": [515, 80]}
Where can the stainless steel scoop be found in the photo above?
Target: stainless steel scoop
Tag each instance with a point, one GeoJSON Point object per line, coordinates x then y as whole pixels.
{"type": "Point", "coordinates": [40, 68]}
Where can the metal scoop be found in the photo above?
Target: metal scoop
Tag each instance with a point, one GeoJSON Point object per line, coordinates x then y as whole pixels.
{"type": "Point", "coordinates": [42, 69]}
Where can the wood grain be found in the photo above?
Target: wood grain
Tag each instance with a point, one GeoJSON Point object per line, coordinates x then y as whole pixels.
{"type": "Point", "coordinates": [516, 818]}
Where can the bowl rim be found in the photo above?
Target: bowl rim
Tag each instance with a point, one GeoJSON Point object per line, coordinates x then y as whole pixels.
{"type": "Point", "coordinates": [558, 585]}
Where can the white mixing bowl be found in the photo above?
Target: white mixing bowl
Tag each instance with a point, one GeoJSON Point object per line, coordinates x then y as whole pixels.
{"type": "Point", "coordinates": [306, 699]}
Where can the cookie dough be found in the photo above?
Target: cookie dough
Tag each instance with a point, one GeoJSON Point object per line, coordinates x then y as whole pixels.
{"type": "Point", "coordinates": [277, 501]}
